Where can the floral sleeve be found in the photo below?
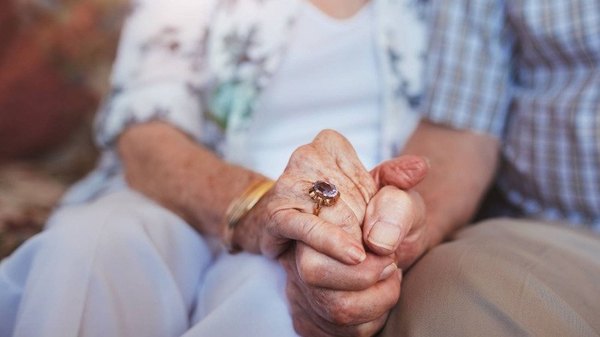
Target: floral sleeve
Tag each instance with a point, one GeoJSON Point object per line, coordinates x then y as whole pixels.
{"type": "Point", "coordinates": [159, 72]}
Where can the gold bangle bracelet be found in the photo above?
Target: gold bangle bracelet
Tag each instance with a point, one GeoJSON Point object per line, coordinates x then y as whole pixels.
{"type": "Point", "coordinates": [239, 207]}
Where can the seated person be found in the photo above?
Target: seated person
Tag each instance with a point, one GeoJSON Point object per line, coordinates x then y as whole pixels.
{"type": "Point", "coordinates": [512, 90]}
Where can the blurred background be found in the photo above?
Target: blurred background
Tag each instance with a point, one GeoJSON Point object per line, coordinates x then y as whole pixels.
{"type": "Point", "coordinates": [55, 59]}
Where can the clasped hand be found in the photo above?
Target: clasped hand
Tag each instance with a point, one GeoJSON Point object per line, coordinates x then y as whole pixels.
{"type": "Point", "coordinates": [344, 266]}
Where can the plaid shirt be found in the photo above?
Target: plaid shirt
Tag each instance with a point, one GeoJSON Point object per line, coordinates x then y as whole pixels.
{"type": "Point", "coordinates": [527, 72]}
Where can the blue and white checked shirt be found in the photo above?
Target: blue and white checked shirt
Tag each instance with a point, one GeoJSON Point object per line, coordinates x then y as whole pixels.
{"type": "Point", "coordinates": [526, 71]}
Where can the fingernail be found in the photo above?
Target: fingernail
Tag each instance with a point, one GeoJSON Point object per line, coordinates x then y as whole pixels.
{"type": "Point", "coordinates": [357, 255]}
{"type": "Point", "coordinates": [388, 271]}
{"type": "Point", "coordinates": [384, 235]}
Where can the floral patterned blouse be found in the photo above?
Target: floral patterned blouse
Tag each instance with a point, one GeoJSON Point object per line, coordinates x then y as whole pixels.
{"type": "Point", "coordinates": [200, 66]}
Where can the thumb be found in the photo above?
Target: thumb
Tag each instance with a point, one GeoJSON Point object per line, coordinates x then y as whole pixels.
{"type": "Point", "coordinates": [403, 172]}
{"type": "Point", "coordinates": [388, 219]}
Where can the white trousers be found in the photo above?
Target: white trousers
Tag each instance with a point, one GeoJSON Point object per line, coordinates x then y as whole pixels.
{"type": "Point", "coordinates": [124, 266]}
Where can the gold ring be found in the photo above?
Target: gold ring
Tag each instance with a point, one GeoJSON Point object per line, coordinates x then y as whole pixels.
{"type": "Point", "coordinates": [324, 194]}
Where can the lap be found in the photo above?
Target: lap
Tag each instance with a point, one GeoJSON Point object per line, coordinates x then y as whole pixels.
{"type": "Point", "coordinates": [124, 246]}
{"type": "Point", "coordinates": [242, 295]}
{"type": "Point", "coordinates": [504, 278]}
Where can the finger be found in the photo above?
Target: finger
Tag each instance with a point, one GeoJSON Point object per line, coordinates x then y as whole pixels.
{"type": "Point", "coordinates": [347, 308]}
{"type": "Point", "coordinates": [353, 194]}
{"type": "Point", "coordinates": [307, 323]}
{"type": "Point", "coordinates": [371, 327]}
{"type": "Point", "coordinates": [346, 159]}
{"type": "Point", "coordinates": [389, 217]}
{"type": "Point", "coordinates": [342, 215]}
{"type": "Point", "coordinates": [323, 236]}
{"type": "Point", "coordinates": [307, 305]}
{"type": "Point", "coordinates": [293, 187]}
{"type": "Point", "coordinates": [404, 172]}
{"type": "Point", "coordinates": [288, 195]}
{"type": "Point", "coordinates": [318, 270]}
{"type": "Point", "coordinates": [349, 210]}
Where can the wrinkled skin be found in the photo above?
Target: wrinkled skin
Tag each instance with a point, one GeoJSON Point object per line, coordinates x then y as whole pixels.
{"type": "Point", "coordinates": [342, 265]}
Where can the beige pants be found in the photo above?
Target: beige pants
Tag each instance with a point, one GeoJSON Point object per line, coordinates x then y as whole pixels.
{"type": "Point", "coordinates": [504, 278]}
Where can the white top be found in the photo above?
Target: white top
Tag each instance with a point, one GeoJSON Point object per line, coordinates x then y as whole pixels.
{"type": "Point", "coordinates": [376, 82]}
{"type": "Point", "coordinates": [314, 89]}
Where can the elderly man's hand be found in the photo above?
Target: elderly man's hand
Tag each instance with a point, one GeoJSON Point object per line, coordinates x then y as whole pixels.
{"type": "Point", "coordinates": [395, 218]}
{"type": "Point", "coordinates": [329, 298]}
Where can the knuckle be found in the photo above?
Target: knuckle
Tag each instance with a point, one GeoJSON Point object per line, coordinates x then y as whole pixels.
{"type": "Point", "coordinates": [311, 231]}
{"type": "Point", "coordinates": [342, 311]}
{"type": "Point", "coordinates": [349, 219]}
{"type": "Point", "coordinates": [393, 194]}
{"type": "Point", "coordinates": [302, 153]}
{"type": "Point", "coordinates": [335, 237]}
{"type": "Point", "coordinates": [392, 204]}
{"type": "Point", "coordinates": [417, 201]}
{"type": "Point", "coordinates": [368, 277]}
{"type": "Point", "coordinates": [364, 279]}
{"type": "Point", "coordinates": [331, 137]}
{"type": "Point", "coordinates": [398, 202]}
{"type": "Point", "coordinates": [368, 329]}
{"type": "Point", "coordinates": [328, 133]}
{"type": "Point", "coordinates": [276, 218]}
{"type": "Point", "coordinates": [310, 269]}
{"type": "Point", "coordinates": [301, 327]}
{"type": "Point", "coordinates": [414, 208]}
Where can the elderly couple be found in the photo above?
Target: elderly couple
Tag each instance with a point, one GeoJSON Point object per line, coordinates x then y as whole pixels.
{"type": "Point", "coordinates": [285, 167]}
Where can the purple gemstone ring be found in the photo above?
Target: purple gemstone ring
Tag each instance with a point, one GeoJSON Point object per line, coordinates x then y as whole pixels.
{"type": "Point", "coordinates": [324, 194]}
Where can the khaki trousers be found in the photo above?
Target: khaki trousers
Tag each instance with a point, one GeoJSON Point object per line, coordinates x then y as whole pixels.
{"type": "Point", "coordinates": [504, 278]}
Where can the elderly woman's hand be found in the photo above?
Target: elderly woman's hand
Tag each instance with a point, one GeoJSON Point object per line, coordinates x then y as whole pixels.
{"type": "Point", "coordinates": [285, 213]}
